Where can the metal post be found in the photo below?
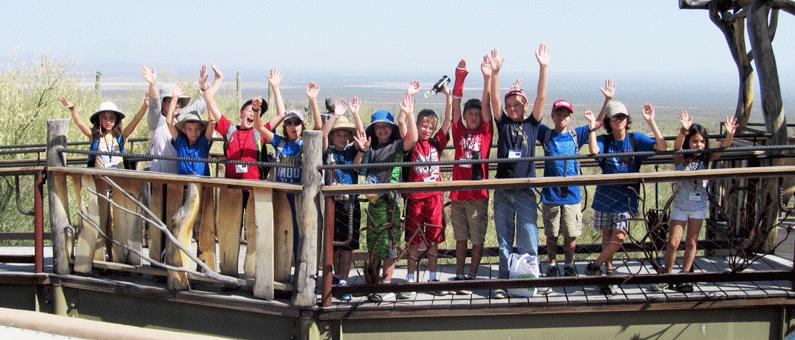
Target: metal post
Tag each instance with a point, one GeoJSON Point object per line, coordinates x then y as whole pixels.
{"type": "Point", "coordinates": [328, 251]}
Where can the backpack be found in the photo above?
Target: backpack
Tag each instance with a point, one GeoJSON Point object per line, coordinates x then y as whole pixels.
{"type": "Point", "coordinates": [261, 156]}
{"type": "Point", "coordinates": [573, 134]}
{"type": "Point", "coordinates": [92, 159]}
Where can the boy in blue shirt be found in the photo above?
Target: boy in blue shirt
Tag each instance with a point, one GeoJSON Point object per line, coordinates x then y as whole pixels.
{"type": "Point", "coordinates": [560, 207]}
{"type": "Point", "coordinates": [191, 137]}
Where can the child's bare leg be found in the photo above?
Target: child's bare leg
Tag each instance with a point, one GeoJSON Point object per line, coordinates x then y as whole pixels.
{"type": "Point", "coordinates": [433, 251]}
{"type": "Point", "coordinates": [691, 243]}
{"type": "Point", "coordinates": [570, 244]}
{"type": "Point", "coordinates": [344, 263]}
{"type": "Point", "coordinates": [413, 259]}
{"type": "Point", "coordinates": [477, 251]}
{"type": "Point", "coordinates": [389, 269]}
{"type": "Point", "coordinates": [674, 237]}
{"type": "Point", "coordinates": [552, 249]}
{"type": "Point", "coordinates": [461, 256]}
{"type": "Point", "coordinates": [612, 246]}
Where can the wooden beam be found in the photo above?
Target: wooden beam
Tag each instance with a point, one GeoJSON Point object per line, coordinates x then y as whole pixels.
{"type": "Point", "coordinates": [88, 237]}
{"type": "Point", "coordinates": [59, 219]}
{"type": "Point", "coordinates": [250, 226]}
{"type": "Point", "coordinates": [127, 228]}
{"type": "Point", "coordinates": [306, 266]}
{"type": "Point", "coordinates": [264, 268]}
{"type": "Point", "coordinates": [159, 177]}
{"type": "Point", "coordinates": [282, 237]}
{"type": "Point", "coordinates": [647, 177]}
{"type": "Point", "coordinates": [230, 219]}
{"type": "Point", "coordinates": [155, 235]}
{"type": "Point", "coordinates": [182, 228]}
{"type": "Point", "coordinates": [206, 241]}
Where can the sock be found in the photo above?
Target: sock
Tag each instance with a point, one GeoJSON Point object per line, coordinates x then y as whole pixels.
{"type": "Point", "coordinates": [343, 283]}
{"type": "Point", "coordinates": [433, 276]}
{"type": "Point", "coordinates": [410, 277]}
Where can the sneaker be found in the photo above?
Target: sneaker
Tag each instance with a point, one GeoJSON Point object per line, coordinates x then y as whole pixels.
{"type": "Point", "coordinates": [543, 290]}
{"type": "Point", "coordinates": [438, 292]}
{"type": "Point", "coordinates": [569, 271]}
{"type": "Point", "coordinates": [347, 296]}
{"type": "Point", "coordinates": [607, 289]}
{"type": "Point", "coordinates": [592, 269]}
{"type": "Point", "coordinates": [659, 287]}
{"type": "Point", "coordinates": [380, 297]}
{"type": "Point", "coordinates": [684, 288]}
{"type": "Point", "coordinates": [405, 295]}
{"type": "Point", "coordinates": [462, 291]}
{"type": "Point", "coordinates": [552, 271]}
{"type": "Point", "coordinates": [499, 294]}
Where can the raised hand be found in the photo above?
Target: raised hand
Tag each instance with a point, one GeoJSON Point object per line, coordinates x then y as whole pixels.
{"type": "Point", "coordinates": [609, 90]}
{"type": "Point", "coordinates": [275, 77]}
{"type": "Point", "coordinates": [361, 141]}
{"type": "Point", "coordinates": [217, 73]}
{"type": "Point", "coordinates": [340, 107]}
{"type": "Point", "coordinates": [648, 112]}
{"type": "Point", "coordinates": [176, 92]}
{"type": "Point", "coordinates": [312, 90]}
{"type": "Point", "coordinates": [203, 75]}
{"type": "Point", "coordinates": [496, 60]}
{"type": "Point", "coordinates": [354, 105]}
{"type": "Point", "coordinates": [413, 88]}
{"type": "Point", "coordinates": [485, 66]}
{"type": "Point", "coordinates": [517, 85]}
{"type": "Point", "coordinates": [150, 76]}
{"type": "Point", "coordinates": [65, 103]}
{"type": "Point", "coordinates": [685, 120]}
{"type": "Point", "coordinates": [542, 54]}
{"type": "Point", "coordinates": [407, 105]}
{"type": "Point", "coordinates": [256, 103]}
{"type": "Point", "coordinates": [731, 125]}
{"type": "Point", "coordinates": [590, 118]}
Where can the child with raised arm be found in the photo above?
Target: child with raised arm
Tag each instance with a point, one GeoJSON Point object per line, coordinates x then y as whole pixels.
{"type": "Point", "coordinates": [615, 204]}
{"type": "Point", "coordinates": [690, 197]}
{"type": "Point", "coordinates": [388, 141]}
{"type": "Point", "coordinates": [472, 135]}
{"type": "Point", "coordinates": [288, 145]}
{"type": "Point", "coordinates": [560, 206]}
{"type": "Point", "coordinates": [106, 132]}
{"type": "Point", "coordinates": [159, 137]}
{"type": "Point", "coordinates": [424, 209]}
{"type": "Point", "coordinates": [515, 212]}
{"type": "Point", "coordinates": [348, 145]}
{"type": "Point", "coordinates": [191, 137]}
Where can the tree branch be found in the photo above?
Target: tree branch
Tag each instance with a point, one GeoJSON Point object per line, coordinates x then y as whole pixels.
{"type": "Point", "coordinates": [773, 23]}
{"type": "Point", "coordinates": [785, 5]}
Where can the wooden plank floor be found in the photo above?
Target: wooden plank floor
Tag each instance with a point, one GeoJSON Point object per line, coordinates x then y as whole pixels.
{"type": "Point", "coordinates": [583, 295]}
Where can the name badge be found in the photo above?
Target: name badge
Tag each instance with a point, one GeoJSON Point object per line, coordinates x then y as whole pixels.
{"type": "Point", "coordinates": [513, 154]}
{"type": "Point", "coordinates": [430, 178]}
{"type": "Point", "coordinates": [695, 196]}
{"type": "Point", "coordinates": [467, 156]}
{"type": "Point", "coordinates": [241, 168]}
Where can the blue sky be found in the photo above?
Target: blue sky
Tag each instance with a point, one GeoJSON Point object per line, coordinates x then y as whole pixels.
{"type": "Point", "coordinates": [651, 37]}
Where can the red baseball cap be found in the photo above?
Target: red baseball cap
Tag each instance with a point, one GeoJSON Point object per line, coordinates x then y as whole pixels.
{"type": "Point", "coordinates": [562, 104]}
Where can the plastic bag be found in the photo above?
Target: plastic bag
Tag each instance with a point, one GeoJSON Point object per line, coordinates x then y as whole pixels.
{"type": "Point", "coordinates": [523, 266]}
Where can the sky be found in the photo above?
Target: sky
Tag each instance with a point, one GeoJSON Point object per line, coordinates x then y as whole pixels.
{"type": "Point", "coordinates": [648, 38]}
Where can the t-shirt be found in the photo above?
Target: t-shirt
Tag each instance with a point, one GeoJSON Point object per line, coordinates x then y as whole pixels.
{"type": "Point", "coordinates": [691, 195]}
{"type": "Point", "coordinates": [426, 151]}
{"type": "Point", "coordinates": [621, 197]}
{"type": "Point", "coordinates": [242, 146]}
{"type": "Point", "coordinates": [345, 156]}
{"type": "Point", "coordinates": [391, 152]}
{"type": "Point", "coordinates": [516, 140]}
{"type": "Point", "coordinates": [160, 137]}
{"type": "Point", "coordinates": [471, 144]}
{"type": "Point", "coordinates": [561, 144]}
{"type": "Point", "coordinates": [200, 149]}
{"type": "Point", "coordinates": [288, 155]}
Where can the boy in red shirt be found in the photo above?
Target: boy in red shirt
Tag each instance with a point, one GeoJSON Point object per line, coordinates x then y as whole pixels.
{"type": "Point", "coordinates": [424, 209]}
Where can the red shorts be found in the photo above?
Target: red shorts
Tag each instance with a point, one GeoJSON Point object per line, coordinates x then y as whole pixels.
{"type": "Point", "coordinates": [425, 215]}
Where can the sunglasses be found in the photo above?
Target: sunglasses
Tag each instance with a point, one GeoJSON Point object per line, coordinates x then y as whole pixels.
{"type": "Point", "coordinates": [618, 118]}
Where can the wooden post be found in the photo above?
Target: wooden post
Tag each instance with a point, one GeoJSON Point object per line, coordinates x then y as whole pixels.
{"type": "Point", "coordinates": [206, 241]}
{"type": "Point", "coordinates": [97, 87]}
{"type": "Point", "coordinates": [230, 219]}
{"type": "Point", "coordinates": [306, 266]}
{"type": "Point", "coordinates": [250, 225]}
{"type": "Point", "coordinates": [88, 238]}
{"type": "Point", "coordinates": [182, 227]}
{"type": "Point", "coordinates": [237, 88]}
{"type": "Point", "coordinates": [59, 219]}
{"type": "Point", "coordinates": [282, 237]}
{"type": "Point", "coordinates": [263, 205]}
{"type": "Point", "coordinates": [154, 235]}
{"type": "Point", "coordinates": [127, 228]}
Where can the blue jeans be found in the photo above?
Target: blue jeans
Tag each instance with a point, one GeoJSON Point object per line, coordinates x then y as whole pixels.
{"type": "Point", "coordinates": [515, 215]}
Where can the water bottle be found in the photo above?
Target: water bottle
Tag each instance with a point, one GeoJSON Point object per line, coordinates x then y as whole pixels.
{"type": "Point", "coordinates": [438, 86]}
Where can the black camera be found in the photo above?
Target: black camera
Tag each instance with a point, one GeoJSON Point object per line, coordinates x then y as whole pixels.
{"type": "Point", "coordinates": [477, 169]}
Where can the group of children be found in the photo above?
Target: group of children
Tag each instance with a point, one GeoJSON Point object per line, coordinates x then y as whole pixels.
{"type": "Point", "coordinates": [177, 129]}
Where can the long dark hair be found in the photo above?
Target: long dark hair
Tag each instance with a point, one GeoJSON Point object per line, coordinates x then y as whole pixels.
{"type": "Point", "coordinates": [703, 157]}
{"type": "Point", "coordinates": [96, 130]}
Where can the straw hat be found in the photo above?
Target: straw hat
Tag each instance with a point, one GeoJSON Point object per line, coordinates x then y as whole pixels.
{"type": "Point", "coordinates": [191, 116]}
{"type": "Point", "coordinates": [343, 123]}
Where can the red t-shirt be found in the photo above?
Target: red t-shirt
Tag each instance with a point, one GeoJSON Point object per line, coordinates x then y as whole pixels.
{"type": "Point", "coordinates": [424, 151]}
{"type": "Point", "coordinates": [466, 143]}
{"type": "Point", "coordinates": [240, 147]}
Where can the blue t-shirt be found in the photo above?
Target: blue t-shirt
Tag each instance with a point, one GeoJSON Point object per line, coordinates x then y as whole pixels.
{"type": "Point", "coordinates": [621, 197]}
{"type": "Point", "coordinates": [516, 139]}
{"type": "Point", "coordinates": [346, 156]}
{"type": "Point", "coordinates": [200, 149]}
{"type": "Point", "coordinates": [561, 144]}
{"type": "Point", "coordinates": [288, 153]}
